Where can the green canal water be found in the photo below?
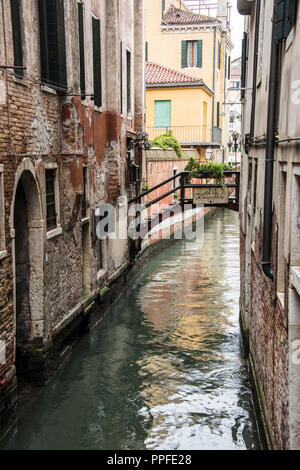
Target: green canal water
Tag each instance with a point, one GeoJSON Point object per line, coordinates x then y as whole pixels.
{"type": "Point", "coordinates": [164, 370]}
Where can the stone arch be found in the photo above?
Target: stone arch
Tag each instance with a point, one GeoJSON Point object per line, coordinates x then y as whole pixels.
{"type": "Point", "coordinates": [27, 231]}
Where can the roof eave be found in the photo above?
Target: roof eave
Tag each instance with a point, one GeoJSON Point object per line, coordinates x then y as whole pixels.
{"type": "Point", "coordinates": [180, 85]}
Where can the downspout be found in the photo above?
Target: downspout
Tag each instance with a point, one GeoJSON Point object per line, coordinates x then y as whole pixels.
{"type": "Point", "coordinates": [254, 80]}
{"type": "Point", "coordinates": [269, 161]}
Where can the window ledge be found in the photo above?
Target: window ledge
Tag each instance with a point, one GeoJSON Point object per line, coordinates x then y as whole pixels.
{"type": "Point", "coordinates": [295, 278]}
{"type": "Point", "coordinates": [3, 254]}
{"type": "Point", "coordinates": [20, 81]}
{"type": "Point", "coordinates": [54, 233]}
{"type": "Point", "coordinates": [48, 89]}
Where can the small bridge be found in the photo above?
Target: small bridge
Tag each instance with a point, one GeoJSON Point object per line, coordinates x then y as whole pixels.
{"type": "Point", "coordinates": [191, 195]}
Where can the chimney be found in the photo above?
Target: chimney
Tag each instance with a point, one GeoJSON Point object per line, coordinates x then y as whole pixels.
{"type": "Point", "coordinates": [222, 12]}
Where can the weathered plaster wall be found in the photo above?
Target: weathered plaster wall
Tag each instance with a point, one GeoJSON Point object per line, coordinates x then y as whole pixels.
{"type": "Point", "coordinates": [41, 128]}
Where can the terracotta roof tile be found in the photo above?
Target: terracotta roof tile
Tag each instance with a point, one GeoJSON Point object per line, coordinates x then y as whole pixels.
{"type": "Point", "coordinates": [176, 16]}
{"type": "Point", "coordinates": [158, 75]}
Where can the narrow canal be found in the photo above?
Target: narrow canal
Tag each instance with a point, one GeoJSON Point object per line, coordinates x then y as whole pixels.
{"type": "Point", "coordinates": [164, 370]}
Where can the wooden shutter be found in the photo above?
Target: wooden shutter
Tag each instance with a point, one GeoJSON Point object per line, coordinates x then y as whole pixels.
{"type": "Point", "coordinates": [61, 44]}
{"type": "Point", "coordinates": [218, 114]}
{"type": "Point", "coordinates": [121, 77]}
{"type": "Point", "coordinates": [285, 17]}
{"type": "Point", "coordinates": [244, 64]}
{"type": "Point", "coordinates": [225, 64]}
{"type": "Point", "coordinates": [163, 7]}
{"type": "Point", "coordinates": [229, 67]}
{"type": "Point", "coordinates": [183, 54]}
{"type": "Point", "coordinates": [52, 43]}
{"type": "Point", "coordinates": [199, 53]}
{"type": "Point", "coordinates": [81, 49]}
{"type": "Point", "coordinates": [146, 51]}
{"type": "Point", "coordinates": [163, 114]}
{"type": "Point", "coordinates": [97, 62]}
{"type": "Point", "coordinates": [128, 81]}
{"type": "Point", "coordinates": [17, 38]}
{"type": "Point", "coordinates": [219, 54]}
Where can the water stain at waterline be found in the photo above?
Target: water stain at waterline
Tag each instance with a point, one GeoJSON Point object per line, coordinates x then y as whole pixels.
{"type": "Point", "coordinates": [164, 370]}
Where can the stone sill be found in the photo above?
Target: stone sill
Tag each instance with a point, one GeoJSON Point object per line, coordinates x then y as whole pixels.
{"type": "Point", "coordinates": [48, 89]}
{"type": "Point", "coordinates": [20, 81]}
{"type": "Point", "coordinates": [3, 254]}
{"type": "Point", "coordinates": [54, 233]}
{"type": "Point", "coordinates": [295, 278]}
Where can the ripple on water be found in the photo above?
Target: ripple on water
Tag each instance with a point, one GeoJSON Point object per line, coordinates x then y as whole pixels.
{"type": "Point", "coordinates": [164, 370]}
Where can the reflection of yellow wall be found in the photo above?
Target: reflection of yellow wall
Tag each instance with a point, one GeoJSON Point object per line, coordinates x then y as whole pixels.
{"type": "Point", "coordinates": [187, 105]}
{"type": "Point", "coordinates": [164, 48]}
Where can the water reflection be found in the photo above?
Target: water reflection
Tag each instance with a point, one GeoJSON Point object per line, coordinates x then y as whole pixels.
{"type": "Point", "coordinates": [164, 370]}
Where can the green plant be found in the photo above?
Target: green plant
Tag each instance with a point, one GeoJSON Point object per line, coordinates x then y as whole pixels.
{"type": "Point", "coordinates": [207, 170]}
{"type": "Point", "coordinates": [167, 141]}
{"type": "Point", "coordinates": [146, 187]}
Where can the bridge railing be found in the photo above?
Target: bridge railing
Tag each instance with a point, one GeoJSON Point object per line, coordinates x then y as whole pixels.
{"type": "Point", "coordinates": [184, 184]}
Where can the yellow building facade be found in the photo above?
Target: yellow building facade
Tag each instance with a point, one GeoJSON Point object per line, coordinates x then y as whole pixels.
{"type": "Point", "coordinates": [196, 45]}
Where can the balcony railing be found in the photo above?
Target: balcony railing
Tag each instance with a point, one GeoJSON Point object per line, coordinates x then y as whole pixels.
{"type": "Point", "coordinates": [189, 134]}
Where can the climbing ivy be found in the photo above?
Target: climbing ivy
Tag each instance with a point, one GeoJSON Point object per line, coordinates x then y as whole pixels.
{"type": "Point", "coordinates": [207, 170]}
{"type": "Point", "coordinates": [167, 141]}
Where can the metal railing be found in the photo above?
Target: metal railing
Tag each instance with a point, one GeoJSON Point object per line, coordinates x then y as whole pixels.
{"type": "Point", "coordinates": [184, 134]}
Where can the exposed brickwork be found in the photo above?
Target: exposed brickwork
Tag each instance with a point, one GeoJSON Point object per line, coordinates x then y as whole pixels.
{"type": "Point", "coordinates": [268, 345]}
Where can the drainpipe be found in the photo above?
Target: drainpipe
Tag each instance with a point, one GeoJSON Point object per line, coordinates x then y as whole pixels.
{"type": "Point", "coordinates": [214, 76]}
{"type": "Point", "coordinates": [254, 80]}
{"type": "Point", "coordinates": [269, 161]}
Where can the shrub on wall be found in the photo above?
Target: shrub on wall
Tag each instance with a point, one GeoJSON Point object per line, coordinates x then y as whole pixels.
{"type": "Point", "coordinates": [207, 170]}
{"type": "Point", "coordinates": [167, 141]}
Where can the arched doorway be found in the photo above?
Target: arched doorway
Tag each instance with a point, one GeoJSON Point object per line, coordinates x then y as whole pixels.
{"type": "Point", "coordinates": [28, 229]}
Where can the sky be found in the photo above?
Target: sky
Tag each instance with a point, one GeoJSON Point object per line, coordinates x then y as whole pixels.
{"type": "Point", "coordinates": [237, 29]}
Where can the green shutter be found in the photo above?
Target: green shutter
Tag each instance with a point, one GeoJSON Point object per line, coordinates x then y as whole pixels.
{"type": "Point", "coordinates": [163, 7]}
{"type": "Point", "coordinates": [52, 43]}
{"type": "Point", "coordinates": [163, 113]}
{"type": "Point", "coordinates": [81, 50]}
{"type": "Point", "coordinates": [219, 54]}
{"type": "Point", "coordinates": [17, 39]}
{"type": "Point", "coordinates": [218, 114]}
{"type": "Point", "coordinates": [229, 67]}
{"type": "Point", "coordinates": [183, 54]}
{"type": "Point", "coordinates": [285, 17]}
{"type": "Point", "coordinates": [146, 51]}
{"type": "Point", "coordinates": [225, 64]}
{"type": "Point", "coordinates": [199, 53]}
{"type": "Point", "coordinates": [244, 63]}
{"type": "Point", "coordinates": [97, 62]}
{"type": "Point", "coordinates": [61, 44]}
{"type": "Point", "coordinates": [121, 77]}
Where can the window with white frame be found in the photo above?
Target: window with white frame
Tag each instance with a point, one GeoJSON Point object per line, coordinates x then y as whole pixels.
{"type": "Point", "coordinates": [2, 215]}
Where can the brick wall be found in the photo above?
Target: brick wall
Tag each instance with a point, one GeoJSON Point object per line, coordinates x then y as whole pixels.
{"type": "Point", "coordinates": [268, 345]}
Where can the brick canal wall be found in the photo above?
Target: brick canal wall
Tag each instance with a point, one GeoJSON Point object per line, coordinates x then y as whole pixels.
{"type": "Point", "coordinates": [265, 333]}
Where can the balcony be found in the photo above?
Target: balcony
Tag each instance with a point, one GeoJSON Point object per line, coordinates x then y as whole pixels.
{"type": "Point", "coordinates": [190, 135]}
